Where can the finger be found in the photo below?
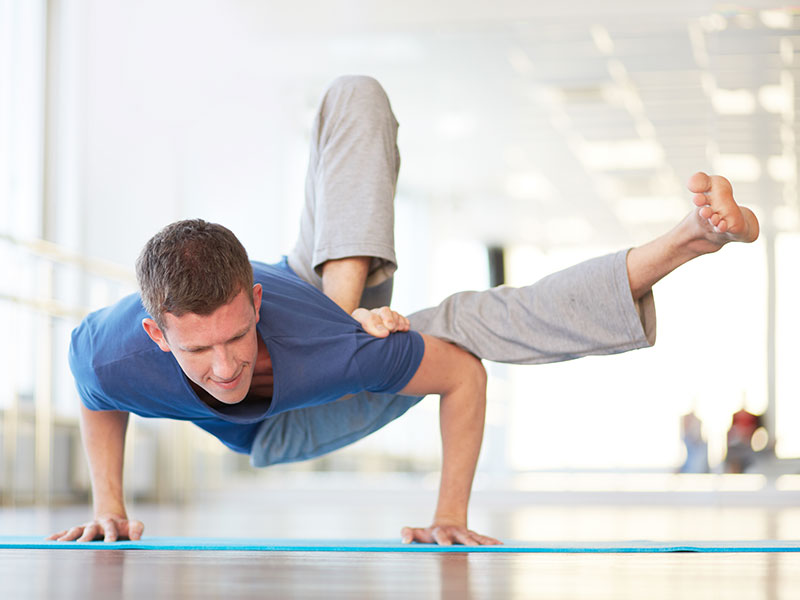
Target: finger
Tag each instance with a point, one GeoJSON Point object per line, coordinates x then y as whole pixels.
{"type": "Point", "coordinates": [406, 324]}
{"type": "Point", "coordinates": [485, 540]}
{"type": "Point", "coordinates": [416, 534]}
{"type": "Point", "coordinates": [374, 326]}
{"type": "Point", "coordinates": [406, 535]}
{"type": "Point", "coordinates": [110, 529]}
{"type": "Point", "coordinates": [464, 537]}
{"type": "Point", "coordinates": [388, 317]}
{"type": "Point", "coordinates": [442, 537]}
{"type": "Point", "coordinates": [71, 534]}
{"type": "Point", "coordinates": [135, 530]}
{"type": "Point", "coordinates": [400, 322]}
{"type": "Point", "coordinates": [90, 532]}
{"type": "Point", "coordinates": [55, 536]}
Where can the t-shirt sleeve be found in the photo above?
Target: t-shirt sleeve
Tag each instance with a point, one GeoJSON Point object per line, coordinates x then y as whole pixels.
{"type": "Point", "coordinates": [388, 364]}
{"type": "Point", "coordinates": [86, 380]}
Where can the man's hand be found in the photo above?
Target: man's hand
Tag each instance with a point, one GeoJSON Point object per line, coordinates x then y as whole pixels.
{"type": "Point", "coordinates": [380, 322]}
{"type": "Point", "coordinates": [446, 535]}
{"type": "Point", "coordinates": [108, 527]}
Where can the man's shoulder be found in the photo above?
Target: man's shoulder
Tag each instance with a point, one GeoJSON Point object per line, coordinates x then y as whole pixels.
{"type": "Point", "coordinates": [284, 293]}
{"type": "Point", "coordinates": [111, 333]}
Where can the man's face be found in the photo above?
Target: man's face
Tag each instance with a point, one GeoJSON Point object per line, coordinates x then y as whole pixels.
{"type": "Point", "coordinates": [217, 351]}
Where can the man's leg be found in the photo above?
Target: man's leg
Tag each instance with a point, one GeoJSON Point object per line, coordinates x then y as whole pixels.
{"type": "Point", "coordinates": [350, 187]}
{"type": "Point", "coordinates": [601, 306]}
{"type": "Point", "coordinates": [348, 211]}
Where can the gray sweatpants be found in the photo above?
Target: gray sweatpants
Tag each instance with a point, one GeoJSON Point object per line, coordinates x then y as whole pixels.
{"type": "Point", "coordinates": [349, 211]}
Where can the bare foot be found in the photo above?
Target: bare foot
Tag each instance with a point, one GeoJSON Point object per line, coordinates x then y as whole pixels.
{"type": "Point", "coordinates": [717, 221]}
{"type": "Point", "coordinates": [714, 195]}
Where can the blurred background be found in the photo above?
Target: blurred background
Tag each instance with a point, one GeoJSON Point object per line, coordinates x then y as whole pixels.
{"type": "Point", "coordinates": [536, 133]}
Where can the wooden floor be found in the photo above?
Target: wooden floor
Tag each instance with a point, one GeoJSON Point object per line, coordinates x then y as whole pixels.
{"type": "Point", "coordinates": [108, 574]}
{"type": "Point", "coordinates": [379, 513]}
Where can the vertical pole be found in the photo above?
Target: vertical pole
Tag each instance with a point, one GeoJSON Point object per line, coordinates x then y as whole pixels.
{"type": "Point", "coordinates": [43, 395]}
{"type": "Point", "coordinates": [768, 232]}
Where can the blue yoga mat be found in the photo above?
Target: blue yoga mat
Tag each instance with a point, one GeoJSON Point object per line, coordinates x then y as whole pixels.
{"type": "Point", "coordinates": [322, 545]}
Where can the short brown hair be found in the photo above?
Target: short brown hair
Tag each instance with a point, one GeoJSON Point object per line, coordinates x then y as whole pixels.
{"type": "Point", "coordinates": [191, 266]}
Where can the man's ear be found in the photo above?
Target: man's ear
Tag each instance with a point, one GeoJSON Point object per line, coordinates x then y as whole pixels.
{"type": "Point", "coordinates": [257, 293]}
{"type": "Point", "coordinates": [155, 333]}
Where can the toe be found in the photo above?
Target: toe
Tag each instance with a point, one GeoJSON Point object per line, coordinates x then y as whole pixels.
{"type": "Point", "coordinates": [720, 185]}
{"type": "Point", "coordinates": [700, 183]}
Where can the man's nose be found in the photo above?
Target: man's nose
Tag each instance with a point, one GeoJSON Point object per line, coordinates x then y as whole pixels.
{"type": "Point", "coordinates": [224, 366]}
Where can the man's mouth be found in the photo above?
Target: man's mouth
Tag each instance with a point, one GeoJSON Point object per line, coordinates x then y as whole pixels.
{"type": "Point", "coordinates": [229, 384]}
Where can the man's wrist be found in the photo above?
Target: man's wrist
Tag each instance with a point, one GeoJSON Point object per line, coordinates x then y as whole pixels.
{"type": "Point", "coordinates": [110, 507]}
{"type": "Point", "coordinates": [457, 518]}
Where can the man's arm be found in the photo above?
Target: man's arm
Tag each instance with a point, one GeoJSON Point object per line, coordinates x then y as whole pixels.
{"type": "Point", "coordinates": [460, 379]}
{"type": "Point", "coordinates": [103, 435]}
{"type": "Point", "coordinates": [343, 282]}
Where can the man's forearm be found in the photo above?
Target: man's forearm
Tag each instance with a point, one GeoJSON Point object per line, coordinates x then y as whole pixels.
{"type": "Point", "coordinates": [462, 415]}
{"type": "Point", "coordinates": [103, 436]}
{"type": "Point", "coordinates": [343, 280]}
{"type": "Point", "coordinates": [460, 380]}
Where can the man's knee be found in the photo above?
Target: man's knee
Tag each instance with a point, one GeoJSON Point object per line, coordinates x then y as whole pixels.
{"type": "Point", "coordinates": [362, 91]}
{"type": "Point", "coordinates": [358, 85]}
{"type": "Point", "coordinates": [478, 372]}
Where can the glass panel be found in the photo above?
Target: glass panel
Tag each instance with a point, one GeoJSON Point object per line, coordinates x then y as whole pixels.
{"type": "Point", "coordinates": [21, 109]}
{"type": "Point", "coordinates": [7, 350]}
{"type": "Point", "coordinates": [787, 325]}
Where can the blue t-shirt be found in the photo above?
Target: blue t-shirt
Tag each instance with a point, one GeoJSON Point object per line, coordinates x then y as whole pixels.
{"type": "Point", "coordinates": [319, 353]}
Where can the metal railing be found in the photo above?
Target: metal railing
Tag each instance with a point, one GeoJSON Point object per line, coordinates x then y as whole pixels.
{"type": "Point", "coordinates": [44, 305]}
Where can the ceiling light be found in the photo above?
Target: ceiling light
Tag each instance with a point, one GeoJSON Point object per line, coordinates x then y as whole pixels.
{"type": "Point", "coordinates": [776, 19]}
{"type": "Point", "coordinates": [618, 71]}
{"type": "Point", "coordinates": [775, 99]}
{"type": "Point", "coordinates": [529, 186]}
{"type": "Point", "coordinates": [782, 168]}
{"type": "Point", "coordinates": [568, 230]}
{"type": "Point", "coordinates": [621, 154]}
{"type": "Point", "coordinates": [714, 22]}
{"type": "Point", "coordinates": [640, 210]}
{"type": "Point", "coordinates": [738, 167]}
{"type": "Point", "coordinates": [602, 39]}
{"type": "Point", "coordinates": [733, 102]}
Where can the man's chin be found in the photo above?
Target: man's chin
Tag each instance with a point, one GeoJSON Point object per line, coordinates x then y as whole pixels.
{"type": "Point", "coordinates": [230, 397]}
{"type": "Point", "coordinates": [234, 396]}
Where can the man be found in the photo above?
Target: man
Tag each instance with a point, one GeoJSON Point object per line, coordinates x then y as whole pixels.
{"type": "Point", "coordinates": [261, 359]}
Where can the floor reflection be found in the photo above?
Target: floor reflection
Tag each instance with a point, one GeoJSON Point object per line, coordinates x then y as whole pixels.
{"type": "Point", "coordinates": [151, 575]}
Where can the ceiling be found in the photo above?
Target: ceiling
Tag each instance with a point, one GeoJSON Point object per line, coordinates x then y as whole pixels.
{"type": "Point", "coordinates": [557, 123]}
{"type": "Point", "coordinates": [536, 122]}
